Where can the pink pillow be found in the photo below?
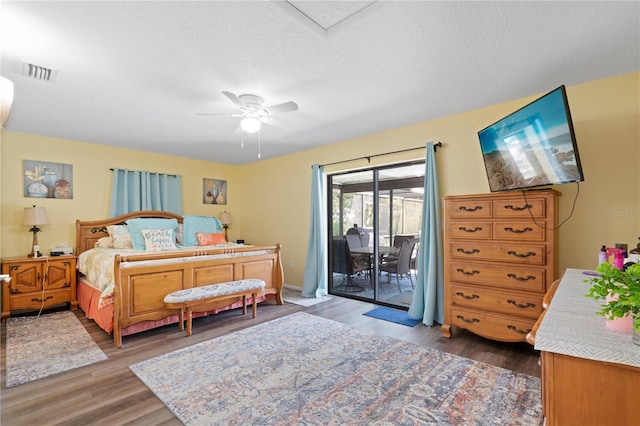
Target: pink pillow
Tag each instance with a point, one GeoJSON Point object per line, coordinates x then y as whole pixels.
{"type": "Point", "coordinates": [210, 239]}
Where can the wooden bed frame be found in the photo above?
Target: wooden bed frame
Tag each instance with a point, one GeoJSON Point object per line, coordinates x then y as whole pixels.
{"type": "Point", "coordinates": [140, 289]}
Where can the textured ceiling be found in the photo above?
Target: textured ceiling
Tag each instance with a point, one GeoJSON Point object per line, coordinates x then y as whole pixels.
{"type": "Point", "coordinates": [135, 74]}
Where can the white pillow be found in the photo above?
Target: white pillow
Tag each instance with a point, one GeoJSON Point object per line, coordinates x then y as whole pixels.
{"type": "Point", "coordinates": [158, 239]}
{"type": "Point", "coordinates": [104, 242]}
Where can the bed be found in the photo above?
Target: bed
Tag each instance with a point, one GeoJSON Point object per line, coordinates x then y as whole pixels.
{"type": "Point", "coordinates": [124, 294]}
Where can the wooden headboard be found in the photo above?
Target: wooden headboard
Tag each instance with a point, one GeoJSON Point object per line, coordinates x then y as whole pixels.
{"type": "Point", "coordinates": [88, 232]}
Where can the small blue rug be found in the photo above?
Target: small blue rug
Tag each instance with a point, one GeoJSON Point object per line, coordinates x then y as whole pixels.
{"type": "Point", "coordinates": [392, 315]}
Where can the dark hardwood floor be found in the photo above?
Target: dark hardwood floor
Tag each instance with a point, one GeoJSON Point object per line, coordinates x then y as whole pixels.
{"type": "Point", "coordinates": [108, 393]}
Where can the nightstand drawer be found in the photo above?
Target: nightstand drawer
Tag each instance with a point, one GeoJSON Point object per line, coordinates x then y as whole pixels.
{"type": "Point", "coordinates": [34, 300]}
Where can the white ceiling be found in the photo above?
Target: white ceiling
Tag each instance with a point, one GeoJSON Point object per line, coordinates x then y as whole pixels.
{"type": "Point", "coordinates": [134, 74]}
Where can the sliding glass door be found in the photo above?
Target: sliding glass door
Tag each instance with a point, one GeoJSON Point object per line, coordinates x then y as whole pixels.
{"type": "Point", "coordinates": [374, 226]}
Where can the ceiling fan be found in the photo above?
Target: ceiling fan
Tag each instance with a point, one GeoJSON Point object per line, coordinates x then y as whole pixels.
{"type": "Point", "coordinates": [252, 113]}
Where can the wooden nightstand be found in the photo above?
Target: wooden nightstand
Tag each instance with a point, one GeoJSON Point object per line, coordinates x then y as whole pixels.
{"type": "Point", "coordinates": [38, 282]}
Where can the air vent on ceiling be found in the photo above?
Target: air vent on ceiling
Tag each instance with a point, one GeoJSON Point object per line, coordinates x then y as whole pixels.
{"type": "Point", "coordinates": [38, 72]}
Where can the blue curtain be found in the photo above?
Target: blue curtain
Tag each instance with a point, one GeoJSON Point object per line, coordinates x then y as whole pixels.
{"type": "Point", "coordinates": [315, 271]}
{"type": "Point", "coordinates": [133, 190]}
{"type": "Point", "coordinates": [428, 297]}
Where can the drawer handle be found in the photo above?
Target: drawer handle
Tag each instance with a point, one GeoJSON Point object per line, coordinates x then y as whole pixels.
{"type": "Point", "coordinates": [472, 320]}
{"type": "Point", "coordinates": [464, 296]}
{"type": "Point", "coordinates": [518, 231]}
{"type": "Point", "coordinates": [516, 254]}
{"type": "Point", "coordinates": [67, 284]}
{"type": "Point", "coordinates": [527, 278]}
{"type": "Point", "coordinates": [517, 330]}
{"type": "Point", "coordinates": [463, 251]}
{"type": "Point", "coordinates": [13, 290]}
{"type": "Point", "coordinates": [465, 229]}
{"type": "Point", "coordinates": [42, 300]}
{"type": "Point", "coordinates": [517, 209]}
{"type": "Point", "coordinates": [521, 305]}
{"type": "Point", "coordinates": [462, 271]}
{"type": "Point", "coordinates": [472, 209]}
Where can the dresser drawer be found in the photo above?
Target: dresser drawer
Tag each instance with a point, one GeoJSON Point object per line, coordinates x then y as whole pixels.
{"type": "Point", "coordinates": [517, 207]}
{"type": "Point", "coordinates": [492, 326]}
{"type": "Point", "coordinates": [498, 275]}
{"type": "Point", "coordinates": [519, 230]}
{"type": "Point", "coordinates": [471, 229]}
{"type": "Point", "coordinates": [518, 304]}
{"type": "Point", "coordinates": [500, 252]}
{"type": "Point", "coordinates": [463, 209]}
{"type": "Point", "coordinates": [34, 300]}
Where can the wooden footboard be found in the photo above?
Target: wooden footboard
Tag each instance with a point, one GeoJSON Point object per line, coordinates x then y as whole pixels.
{"type": "Point", "coordinates": [140, 286]}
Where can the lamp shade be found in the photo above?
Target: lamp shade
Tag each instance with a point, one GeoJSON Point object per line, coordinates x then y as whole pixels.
{"type": "Point", "coordinates": [35, 216]}
{"type": "Point", "coordinates": [250, 124]}
{"type": "Point", "coordinates": [6, 99]}
{"type": "Point", "coordinates": [225, 218]}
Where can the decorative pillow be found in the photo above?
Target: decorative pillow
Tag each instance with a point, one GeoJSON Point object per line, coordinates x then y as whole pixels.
{"type": "Point", "coordinates": [180, 234]}
{"type": "Point", "coordinates": [158, 239]}
{"type": "Point", "coordinates": [104, 242]}
{"type": "Point", "coordinates": [204, 224]}
{"type": "Point", "coordinates": [210, 239]}
{"type": "Point", "coordinates": [117, 230]}
{"type": "Point", "coordinates": [122, 241]}
{"type": "Point", "coordinates": [139, 224]}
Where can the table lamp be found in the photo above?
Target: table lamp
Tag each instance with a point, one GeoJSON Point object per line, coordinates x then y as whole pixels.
{"type": "Point", "coordinates": [225, 220]}
{"type": "Point", "coordinates": [34, 217]}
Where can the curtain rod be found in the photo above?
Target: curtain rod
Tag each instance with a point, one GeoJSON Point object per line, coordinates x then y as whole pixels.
{"type": "Point", "coordinates": [369, 157]}
{"type": "Point", "coordinates": [153, 173]}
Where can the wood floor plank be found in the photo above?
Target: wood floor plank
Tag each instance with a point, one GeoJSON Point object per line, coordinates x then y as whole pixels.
{"type": "Point", "coordinates": [109, 393]}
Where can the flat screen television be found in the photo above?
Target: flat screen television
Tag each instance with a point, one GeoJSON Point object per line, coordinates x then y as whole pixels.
{"type": "Point", "coordinates": [533, 146]}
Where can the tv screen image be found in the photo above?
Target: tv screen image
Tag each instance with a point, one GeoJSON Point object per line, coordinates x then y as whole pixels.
{"type": "Point", "coordinates": [534, 146]}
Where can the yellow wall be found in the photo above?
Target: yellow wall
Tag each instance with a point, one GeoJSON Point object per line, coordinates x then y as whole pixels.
{"type": "Point", "coordinates": [269, 199]}
{"type": "Point", "coordinates": [91, 186]}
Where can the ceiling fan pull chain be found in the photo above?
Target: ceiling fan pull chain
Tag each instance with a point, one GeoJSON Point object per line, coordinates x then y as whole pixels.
{"type": "Point", "coordinates": [241, 139]}
{"type": "Point", "coordinates": [259, 132]}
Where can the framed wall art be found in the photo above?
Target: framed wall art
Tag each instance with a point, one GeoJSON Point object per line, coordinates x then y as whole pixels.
{"type": "Point", "coordinates": [214, 191]}
{"type": "Point", "coordinates": [43, 179]}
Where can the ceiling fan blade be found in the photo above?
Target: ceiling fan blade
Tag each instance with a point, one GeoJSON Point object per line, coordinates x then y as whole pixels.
{"type": "Point", "coordinates": [283, 107]}
{"type": "Point", "coordinates": [233, 98]}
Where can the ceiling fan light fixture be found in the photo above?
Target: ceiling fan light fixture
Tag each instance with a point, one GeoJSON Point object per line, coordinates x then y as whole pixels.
{"type": "Point", "coordinates": [250, 124]}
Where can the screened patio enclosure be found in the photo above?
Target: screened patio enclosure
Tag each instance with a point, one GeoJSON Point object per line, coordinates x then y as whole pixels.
{"type": "Point", "coordinates": [374, 227]}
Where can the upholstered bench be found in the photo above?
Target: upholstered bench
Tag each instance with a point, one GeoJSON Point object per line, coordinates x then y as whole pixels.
{"type": "Point", "coordinates": [188, 298]}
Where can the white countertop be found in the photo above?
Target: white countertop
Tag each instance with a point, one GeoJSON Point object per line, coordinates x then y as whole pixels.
{"type": "Point", "coordinates": [571, 326]}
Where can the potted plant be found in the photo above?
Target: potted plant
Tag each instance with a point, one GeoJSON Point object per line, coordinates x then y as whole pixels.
{"type": "Point", "coordinates": [620, 289]}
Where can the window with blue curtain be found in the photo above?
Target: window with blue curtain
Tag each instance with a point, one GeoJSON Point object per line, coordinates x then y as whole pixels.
{"type": "Point", "coordinates": [135, 190]}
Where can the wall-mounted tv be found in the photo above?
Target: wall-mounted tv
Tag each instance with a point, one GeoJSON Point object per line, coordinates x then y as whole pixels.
{"type": "Point", "coordinates": [534, 146]}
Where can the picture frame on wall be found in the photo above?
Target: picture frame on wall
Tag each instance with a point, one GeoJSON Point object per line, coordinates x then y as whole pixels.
{"type": "Point", "coordinates": [43, 179]}
{"type": "Point", "coordinates": [214, 191]}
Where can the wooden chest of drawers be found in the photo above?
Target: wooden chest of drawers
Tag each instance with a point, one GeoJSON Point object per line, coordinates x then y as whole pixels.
{"type": "Point", "coordinates": [500, 258]}
{"type": "Point", "coordinates": [38, 283]}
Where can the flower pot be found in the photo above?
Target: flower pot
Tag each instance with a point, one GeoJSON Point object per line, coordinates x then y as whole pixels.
{"type": "Point", "coordinates": [622, 325]}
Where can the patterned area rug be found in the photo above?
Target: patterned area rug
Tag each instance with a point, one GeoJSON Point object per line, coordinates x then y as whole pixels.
{"type": "Point", "coordinates": [39, 347]}
{"type": "Point", "coordinates": [295, 296]}
{"type": "Point", "coordinates": [303, 369]}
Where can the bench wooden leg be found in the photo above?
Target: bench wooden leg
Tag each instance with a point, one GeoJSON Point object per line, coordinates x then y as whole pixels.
{"type": "Point", "coordinates": [244, 304]}
{"type": "Point", "coordinates": [181, 319]}
{"type": "Point", "coordinates": [189, 319]}
{"type": "Point", "coordinates": [254, 305]}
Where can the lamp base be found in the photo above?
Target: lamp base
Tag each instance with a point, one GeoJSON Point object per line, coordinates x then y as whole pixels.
{"type": "Point", "coordinates": [35, 248]}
